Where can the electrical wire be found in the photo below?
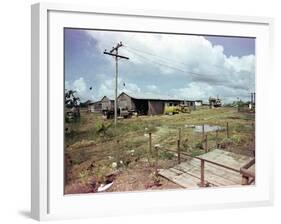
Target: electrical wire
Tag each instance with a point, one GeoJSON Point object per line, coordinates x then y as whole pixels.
{"type": "Point", "coordinates": [167, 63]}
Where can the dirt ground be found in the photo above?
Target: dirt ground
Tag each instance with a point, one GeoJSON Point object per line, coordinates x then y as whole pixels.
{"type": "Point", "coordinates": [98, 154]}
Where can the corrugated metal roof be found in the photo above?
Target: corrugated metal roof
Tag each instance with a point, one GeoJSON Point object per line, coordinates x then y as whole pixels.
{"type": "Point", "coordinates": [151, 98]}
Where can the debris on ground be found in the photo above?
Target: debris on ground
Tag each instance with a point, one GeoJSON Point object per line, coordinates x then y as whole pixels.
{"type": "Point", "coordinates": [104, 187]}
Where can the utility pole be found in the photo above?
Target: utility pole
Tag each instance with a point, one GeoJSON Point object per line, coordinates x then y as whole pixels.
{"type": "Point", "coordinates": [114, 53]}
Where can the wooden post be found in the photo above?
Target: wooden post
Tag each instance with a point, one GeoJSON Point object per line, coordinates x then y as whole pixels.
{"type": "Point", "coordinates": [180, 136]}
{"type": "Point", "coordinates": [150, 143]}
{"type": "Point", "coordinates": [206, 143]}
{"type": "Point", "coordinates": [118, 154]}
{"type": "Point", "coordinates": [202, 183]}
{"type": "Point", "coordinates": [217, 133]}
{"type": "Point", "coordinates": [245, 180]}
{"type": "Point", "coordinates": [179, 152]}
{"type": "Point", "coordinates": [227, 130]}
{"type": "Point", "coordinates": [156, 161]}
{"type": "Point", "coordinates": [203, 132]}
{"type": "Point", "coordinates": [253, 134]}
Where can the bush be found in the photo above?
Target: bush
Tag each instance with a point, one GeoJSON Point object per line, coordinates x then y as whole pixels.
{"type": "Point", "coordinates": [199, 145]}
{"type": "Point", "coordinates": [166, 155]}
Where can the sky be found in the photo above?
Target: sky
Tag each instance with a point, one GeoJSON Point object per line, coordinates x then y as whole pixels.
{"type": "Point", "coordinates": [173, 66]}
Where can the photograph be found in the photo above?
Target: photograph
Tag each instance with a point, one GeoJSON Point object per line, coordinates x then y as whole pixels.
{"type": "Point", "coordinates": [146, 111]}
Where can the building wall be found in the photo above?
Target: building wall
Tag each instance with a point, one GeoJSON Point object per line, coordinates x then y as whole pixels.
{"type": "Point", "coordinates": [155, 107]}
{"type": "Point", "coordinates": [141, 106]}
{"type": "Point", "coordinates": [107, 104]}
{"type": "Point", "coordinates": [91, 108]}
{"type": "Point", "coordinates": [125, 101]}
{"type": "Point", "coordinates": [96, 107]}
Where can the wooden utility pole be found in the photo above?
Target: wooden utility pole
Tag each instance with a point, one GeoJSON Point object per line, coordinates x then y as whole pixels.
{"type": "Point", "coordinates": [114, 52]}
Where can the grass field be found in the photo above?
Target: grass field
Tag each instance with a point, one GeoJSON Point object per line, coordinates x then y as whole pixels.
{"type": "Point", "coordinates": [97, 152]}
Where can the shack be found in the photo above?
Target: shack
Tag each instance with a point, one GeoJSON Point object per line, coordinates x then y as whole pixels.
{"type": "Point", "coordinates": [107, 104]}
{"type": "Point", "coordinates": [149, 106]}
{"type": "Point", "coordinates": [95, 107]}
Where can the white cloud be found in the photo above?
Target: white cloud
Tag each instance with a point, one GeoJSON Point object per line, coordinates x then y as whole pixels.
{"type": "Point", "coordinates": [81, 88]}
{"type": "Point", "coordinates": [107, 88]}
{"type": "Point", "coordinates": [152, 88]}
{"type": "Point", "coordinates": [80, 85]}
{"type": "Point", "coordinates": [194, 91]}
{"type": "Point", "coordinates": [208, 70]}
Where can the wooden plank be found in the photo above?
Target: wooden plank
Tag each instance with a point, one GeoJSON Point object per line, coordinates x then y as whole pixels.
{"type": "Point", "coordinates": [188, 173]}
{"type": "Point", "coordinates": [187, 181]}
{"type": "Point", "coordinates": [230, 159]}
{"type": "Point", "coordinates": [180, 178]}
{"type": "Point", "coordinates": [214, 175]}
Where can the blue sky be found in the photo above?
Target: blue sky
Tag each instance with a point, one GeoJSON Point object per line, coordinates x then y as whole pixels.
{"type": "Point", "coordinates": [160, 65]}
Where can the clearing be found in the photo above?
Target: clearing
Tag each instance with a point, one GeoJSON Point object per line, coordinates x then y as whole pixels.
{"type": "Point", "coordinates": [98, 154]}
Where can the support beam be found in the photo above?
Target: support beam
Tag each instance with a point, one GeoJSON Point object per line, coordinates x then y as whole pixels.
{"type": "Point", "coordinates": [203, 132]}
{"type": "Point", "coordinates": [150, 143]}
{"type": "Point", "coordinates": [206, 143]}
{"type": "Point", "coordinates": [156, 161]}
{"type": "Point", "coordinates": [179, 152]}
{"type": "Point", "coordinates": [217, 135]}
{"type": "Point", "coordinates": [202, 183]}
{"type": "Point", "coordinates": [227, 130]}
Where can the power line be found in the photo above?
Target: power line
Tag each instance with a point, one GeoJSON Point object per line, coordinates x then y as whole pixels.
{"type": "Point", "coordinates": [172, 67]}
{"type": "Point", "coordinates": [167, 59]}
{"type": "Point", "coordinates": [168, 64]}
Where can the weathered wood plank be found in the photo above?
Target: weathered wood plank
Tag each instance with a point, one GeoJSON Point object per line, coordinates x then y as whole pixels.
{"type": "Point", "coordinates": [215, 175]}
{"type": "Point", "coordinates": [226, 158]}
{"type": "Point", "coordinates": [180, 178]}
{"type": "Point", "coordinates": [187, 174]}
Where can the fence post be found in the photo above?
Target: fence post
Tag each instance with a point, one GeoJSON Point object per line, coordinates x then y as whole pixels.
{"type": "Point", "coordinates": [206, 143]}
{"type": "Point", "coordinates": [245, 180]}
{"type": "Point", "coordinates": [202, 183]}
{"type": "Point", "coordinates": [227, 130]}
{"type": "Point", "coordinates": [254, 130]}
{"type": "Point", "coordinates": [180, 136]}
{"type": "Point", "coordinates": [203, 132]}
{"type": "Point", "coordinates": [179, 152]}
{"type": "Point", "coordinates": [156, 161]}
{"type": "Point", "coordinates": [150, 143]}
{"type": "Point", "coordinates": [217, 133]}
{"type": "Point", "coordinates": [118, 154]}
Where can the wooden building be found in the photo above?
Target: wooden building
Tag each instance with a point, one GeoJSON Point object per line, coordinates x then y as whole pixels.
{"type": "Point", "coordinates": [148, 106]}
{"type": "Point", "coordinates": [95, 106]}
{"type": "Point", "coordinates": [107, 104]}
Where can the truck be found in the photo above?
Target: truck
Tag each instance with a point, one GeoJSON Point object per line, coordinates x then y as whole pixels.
{"type": "Point", "coordinates": [121, 112]}
{"type": "Point", "coordinates": [172, 109]}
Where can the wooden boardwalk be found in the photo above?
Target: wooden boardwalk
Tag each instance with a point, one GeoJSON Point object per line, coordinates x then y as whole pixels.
{"type": "Point", "coordinates": [187, 174]}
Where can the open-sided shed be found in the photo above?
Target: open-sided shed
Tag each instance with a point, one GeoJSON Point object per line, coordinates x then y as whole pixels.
{"type": "Point", "coordinates": [148, 106]}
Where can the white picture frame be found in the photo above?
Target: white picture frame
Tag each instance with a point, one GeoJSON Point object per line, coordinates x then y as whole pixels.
{"type": "Point", "coordinates": [48, 201]}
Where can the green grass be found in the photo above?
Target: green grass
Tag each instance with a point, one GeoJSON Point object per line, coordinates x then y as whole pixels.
{"type": "Point", "coordinates": [94, 139]}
